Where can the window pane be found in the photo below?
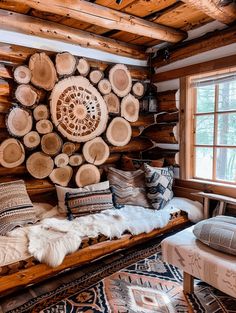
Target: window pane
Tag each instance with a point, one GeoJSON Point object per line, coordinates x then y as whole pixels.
{"type": "Point", "coordinates": [204, 129]}
{"type": "Point", "coordinates": [226, 129]}
{"type": "Point", "coordinates": [226, 164]}
{"type": "Point", "coordinates": [205, 99]}
{"type": "Point", "coordinates": [227, 96]}
{"type": "Point", "coordinates": [203, 162]}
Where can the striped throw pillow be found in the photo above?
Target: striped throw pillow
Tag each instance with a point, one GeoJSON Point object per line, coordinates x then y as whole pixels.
{"type": "Point", "coordinates": [89, 202]}
{"type": "Point", "coordinates": [16, 208]}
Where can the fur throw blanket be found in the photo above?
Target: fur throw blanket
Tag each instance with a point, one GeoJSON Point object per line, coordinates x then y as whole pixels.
{"type": "Point", "coordinates": [54, 238]}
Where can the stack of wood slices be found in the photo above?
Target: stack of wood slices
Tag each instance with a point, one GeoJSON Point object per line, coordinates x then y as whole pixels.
{"type": "Point", "coordinates": [69, 118]}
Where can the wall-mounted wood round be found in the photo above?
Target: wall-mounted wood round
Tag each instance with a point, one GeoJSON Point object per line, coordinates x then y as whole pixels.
{"type": "Point", "coordinates": [78, 110]}
{"type": "Point", "coordinates": [12, 153]}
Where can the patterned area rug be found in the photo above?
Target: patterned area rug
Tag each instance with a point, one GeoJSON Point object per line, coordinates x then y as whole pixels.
{"type": "Point", "coordinates": [134, 281]}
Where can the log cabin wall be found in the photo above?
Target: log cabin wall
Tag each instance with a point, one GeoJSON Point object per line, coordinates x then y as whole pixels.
{"type": "Point", "coordinates": [149, 132]}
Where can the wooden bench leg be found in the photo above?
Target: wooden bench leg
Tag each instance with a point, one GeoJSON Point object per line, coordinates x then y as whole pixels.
{"type": "Point", "coordinates": [188, 283]}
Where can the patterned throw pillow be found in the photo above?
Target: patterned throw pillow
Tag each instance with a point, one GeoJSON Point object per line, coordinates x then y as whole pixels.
{"type": "Point", "coordinates": [128, 187]}
{"type": "Point", "coordinates": [16, 208]}
{"type": "Point", "coordinates": [131, 164]}
{"type": "Point", "coordinates": [89, 202]}
{"type": "Point", "coordinates": [159, 183]}
{"type": "Point", "coordinates": [218, 233]}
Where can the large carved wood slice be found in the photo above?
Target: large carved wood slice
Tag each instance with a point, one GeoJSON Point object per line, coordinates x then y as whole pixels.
{"type": "Point", "coordinates": [96, 151]}
{"type": "Point", "coordinates": [51, 144]}
{"type": "Point", "coordinates": [39, 165]}
{"type": "Point", "coordinates": [22, 74]}
{"type": "Point", "coordinates": [31, 140]}
{"type": "Point", "coordinates": [87, 174]}
{"type": "Point", "coordinates": [120, 80]}
{"type": "Point", "coordinates": [113, 103]}
{"type": "Point", "coordinates": [119, 132]}
{"type": "Point", "coordinates": [130, 108]}
{"type": "Point", "coordinates": [61, 176]}
{"type": "Point", "coordinates": [41, 112]}
{"type": "Point", "coordinates": [12, 153]}
{"type": "Point", "coordinates": [78, 110]}
{"type": "Point", "coordinates": [19, 122]}
{"type": "Point", "coordinates": [43, 71]}
{"type": "Point", "coordinates": [65, 63]}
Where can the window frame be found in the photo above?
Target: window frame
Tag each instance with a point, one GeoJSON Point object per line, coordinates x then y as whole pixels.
{"type": "Point", "coordinates": [188, 102]}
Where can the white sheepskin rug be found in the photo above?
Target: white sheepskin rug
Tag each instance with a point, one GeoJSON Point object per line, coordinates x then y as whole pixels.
{"type": "Point", "coordinates": [54, 238]}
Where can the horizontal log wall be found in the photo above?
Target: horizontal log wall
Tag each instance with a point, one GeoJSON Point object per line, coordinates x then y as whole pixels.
{"type": "Point", "coordinates": [160, 125]}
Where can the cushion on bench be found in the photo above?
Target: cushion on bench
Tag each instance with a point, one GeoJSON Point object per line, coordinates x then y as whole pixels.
{"type": "Point", "coordinates": [218, 233]}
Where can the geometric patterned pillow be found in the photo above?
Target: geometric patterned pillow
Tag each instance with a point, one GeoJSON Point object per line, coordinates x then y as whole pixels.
{"type": "Point", "coordinates": [16, 208]}
{"type": "Point", "coordinates": [159, 182]}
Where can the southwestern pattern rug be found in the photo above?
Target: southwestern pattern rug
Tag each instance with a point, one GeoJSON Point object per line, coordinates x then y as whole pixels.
{"type": "Point", "coordinates": [134, 281]}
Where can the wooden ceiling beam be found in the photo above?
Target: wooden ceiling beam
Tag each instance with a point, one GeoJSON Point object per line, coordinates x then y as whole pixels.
{"type": "Point", "coordinates": [108, 18]}
{"type": "Point", "coordinates": [34, 26]}
{"type": "Point", "coordinates": [217, 9]}
{"type": "Point", "coordinates": [195, 46]}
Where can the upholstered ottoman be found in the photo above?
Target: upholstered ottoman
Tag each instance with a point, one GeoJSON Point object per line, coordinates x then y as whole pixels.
{"type": "Point", "coordinates": [196, 259]}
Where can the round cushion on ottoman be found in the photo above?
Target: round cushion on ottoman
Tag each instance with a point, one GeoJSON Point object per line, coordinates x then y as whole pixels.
{"type": "Point", "coordinates": [218, 233]}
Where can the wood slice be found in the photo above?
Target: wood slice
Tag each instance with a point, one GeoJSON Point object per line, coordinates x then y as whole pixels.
{"type": "Point", "coordinates": [41, 112]}
{"type": "Point", "coordinates": [27, 95]}
{"type": "Point", "coordinates": [113, 103]}
{"type": "Point", "coordinates": [104, 86]}
{"type": "Point", "coordinates": [39, 165]}
{"type": "Point", "coordinates": [135, 145]}
{"type": "Point", "coordinates": [162, 133]}
{"type": "Point", "coordinates": [96, 151]}
{"type": "Point", "coordinates": [61, 176]}
{"type": "Point", "coordinates": [19, 122]}
{"type": "Point", "coordinates": [130, 108]}
{"type": "Point", "coordinates": [138, 89]}
{"type": "Point", "coordinates": [120, 79]}
{"type": "Point", "coordinates": [87, 174]}
{"type": "Point", "coordinates": [95, 76]}
{"type": "Point", "coordinates": [31, 140]}
{"type": "Point", "coordinates": [44, 127]}
{"type": "Point", "coordinates": [83, 67]}
{"type": "Point", "coordinates": [69, 148]}
{"type": "Point", "coordinates": [76, 159]}
{"type": "Point", "coordinates": [65, 63]}
{"type": "Point", "coordinates": [22, 74]}
{"type": "Point", "coordinates": [78, 110]}
{"type": "Point", "coordinates": [61, 160]}
{"type": "Point", "coordinates": [119, 132]}
{"type": "Point", "coordinates": [51, 144]}
{"type": "Point", "coordinates": [12, 153]}
{"type": "Point", "coordinates": [43, 71]}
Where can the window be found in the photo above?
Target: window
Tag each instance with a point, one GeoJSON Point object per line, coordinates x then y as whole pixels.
{"type": "Point", "coordinates": [213, 141]}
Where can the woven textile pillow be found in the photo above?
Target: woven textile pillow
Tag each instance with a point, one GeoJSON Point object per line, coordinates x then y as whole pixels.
{"type": "Point", "coordinates": [159, 182]}
{"type": "Point", "coordinates": [131, 164]}
{"type": "Point", "coordinates": [128, 187]}
{"type": "Point", "coordinates": [84, 203]}
{"type": "Point", "coordinates": [16, 208]}
{"type": "Point", "coordinates": [62, 191]}
{"type": "Point", "coordinates": [218, 233]}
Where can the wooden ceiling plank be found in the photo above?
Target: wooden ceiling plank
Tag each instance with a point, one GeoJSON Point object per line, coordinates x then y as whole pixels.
{"type": "Point", "coordinates": [182, 17]}
{"type": "Point", "coordinates": [108, 18]}
{"type": "Point", "coordinates": [15, 6]}
{"type": "Point", "coordinates": [195, 46]}
{"type": "Point", "coordinates": [113, 5]}
{"type": "Point", "coordinates": [34, 26]}
{"type": "Point", "coordinates": [216, 9]}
